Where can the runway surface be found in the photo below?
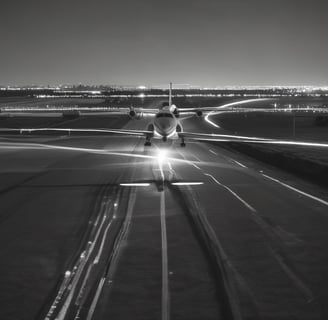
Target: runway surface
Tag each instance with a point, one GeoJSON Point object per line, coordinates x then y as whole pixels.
{"type": "Point", "coordinates": [243, 241]}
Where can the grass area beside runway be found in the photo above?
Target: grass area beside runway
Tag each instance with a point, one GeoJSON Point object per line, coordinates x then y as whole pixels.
{"type": "Point", "coordinates": [96, 122]}
{"type": "Point", "coordinates": [273, 125]}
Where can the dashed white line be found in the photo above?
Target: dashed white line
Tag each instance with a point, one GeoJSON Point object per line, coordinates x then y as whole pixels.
{"type": "Point", "coordinates": [297, 190]}
{"type": "Point", "coordinates": [213, 152]}
{"type": "Point", "coordinates": [232, 192]}
{"type": "Point", "coordinates": [197, 158]}
{"type": "Point", "coordinates": [240, 164]}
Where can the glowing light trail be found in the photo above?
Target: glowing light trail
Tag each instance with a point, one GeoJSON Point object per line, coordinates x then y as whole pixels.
{"type": "Point", "coordinates": [187, 183]}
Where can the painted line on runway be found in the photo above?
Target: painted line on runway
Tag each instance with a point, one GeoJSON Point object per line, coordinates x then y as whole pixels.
{"type": "Point", "coordinates": [165, 281]}
{"type": "Point", "coordinates": [240, 164]}
{"type": "Point", "coordinates": [213, 152]}
{"type": "Point", "coordinates": [194, 165]}
{"type": "Point", "coordinates": [232, 192]}
{"type": "Point", "coordinates": [297, 190]}
{"type": "Point", "coordinates": [197, 158]}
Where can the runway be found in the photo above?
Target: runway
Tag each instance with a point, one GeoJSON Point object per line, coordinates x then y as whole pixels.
{"type": "Point", "coordinates": [244, 241]}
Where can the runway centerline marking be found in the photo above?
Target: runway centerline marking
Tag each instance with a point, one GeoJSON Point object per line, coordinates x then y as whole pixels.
{"type": "Point", "coordinates": [165, 284]}
{"type": "Point", "coordinates": [297, 190]}
{"type": "Point", "coordinates": [232, 192]}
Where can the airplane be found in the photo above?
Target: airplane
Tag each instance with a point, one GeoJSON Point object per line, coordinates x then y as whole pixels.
{"type": "Point", "coordinates": [167, 126]}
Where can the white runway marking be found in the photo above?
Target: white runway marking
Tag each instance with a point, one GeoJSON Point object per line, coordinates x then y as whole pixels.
{"type": "Point", "coordinates": [297, 190]}
{"type": "Point", "coordinates": [232, 192]}
{"type": "Point", "coordinates": [165, 284]}
{"type": "Point", "coordinates": [240, 164]}
{"type": "Point", "coordinates": [213, 152]}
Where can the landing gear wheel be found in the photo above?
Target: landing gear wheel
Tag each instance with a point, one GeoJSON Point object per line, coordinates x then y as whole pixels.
{"type": "Point", "coordinates": [183, 144]}
{"type": "Point", "coordinates": [147, 144]}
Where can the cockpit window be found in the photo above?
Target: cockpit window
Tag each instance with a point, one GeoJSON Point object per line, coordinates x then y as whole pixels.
{"type": "Point", "coordinates": [166, 115]}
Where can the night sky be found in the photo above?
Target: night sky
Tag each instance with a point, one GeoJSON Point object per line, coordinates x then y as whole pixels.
{"type": "Point", "coordinates": [150, 42]}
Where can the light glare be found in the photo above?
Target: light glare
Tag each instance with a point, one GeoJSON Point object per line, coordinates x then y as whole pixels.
{"type": "Point", "coordinates": [134, 184]}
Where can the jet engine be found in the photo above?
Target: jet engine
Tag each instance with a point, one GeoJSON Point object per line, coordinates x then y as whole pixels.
{"type": "Point", "coordinates": [132, 113]}
{"type": "Point", "coordinates": [199, 113]}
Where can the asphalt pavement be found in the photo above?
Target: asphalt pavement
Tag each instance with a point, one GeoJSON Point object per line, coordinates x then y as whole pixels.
{"type": "Point", "coordinates": [240, 240]}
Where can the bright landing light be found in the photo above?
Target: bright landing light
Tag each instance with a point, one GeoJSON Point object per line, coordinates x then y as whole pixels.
{"type": "Point", "coordinates": [161, 155]}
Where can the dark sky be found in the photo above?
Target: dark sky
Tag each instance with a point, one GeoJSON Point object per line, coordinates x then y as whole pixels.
{"type": "Point", "coordinates": [204, 42]}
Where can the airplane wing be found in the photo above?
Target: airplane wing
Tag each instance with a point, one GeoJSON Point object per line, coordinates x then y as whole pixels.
{"type": "Point", "coordinates": [201, 137]}
{"type": "Point", "coordinates": [138, 133]}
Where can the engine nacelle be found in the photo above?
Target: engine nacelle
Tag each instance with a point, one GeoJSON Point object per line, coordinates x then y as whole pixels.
{"type": "Point", "coordinates": [176, 113]}
{"type": "Point", "coordinates": [199, 113]}
{"type": "Point", "coordinates": [132, 113]}
{"type": "Point", "coordinates": [174, 109]}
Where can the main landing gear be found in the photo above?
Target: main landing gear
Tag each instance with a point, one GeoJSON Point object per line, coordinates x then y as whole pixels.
{"type": "Point", "coordinates": [147, 143]}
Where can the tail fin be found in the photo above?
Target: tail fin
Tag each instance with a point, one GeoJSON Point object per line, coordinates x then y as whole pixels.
{"type": "Point", "coordinates": [170, 95]}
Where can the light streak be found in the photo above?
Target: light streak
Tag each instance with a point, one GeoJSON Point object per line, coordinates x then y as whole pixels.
{"type": "Point", "coordinates": [211, 122]}
{"type": "Point", "coordinates": [232, 192]}
{"type": "Point", "coordinates": [242, 102]}
{"type": "Point", "coordinates": [133, 184]}
{"type": "Point", "coordinates": [187, 183]}
{"type": "Point", "coordinates": [230, 105]}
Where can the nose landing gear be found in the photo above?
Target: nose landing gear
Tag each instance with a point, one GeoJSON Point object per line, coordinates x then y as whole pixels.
{"type": "Point", "coordinates": [182, 144]}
